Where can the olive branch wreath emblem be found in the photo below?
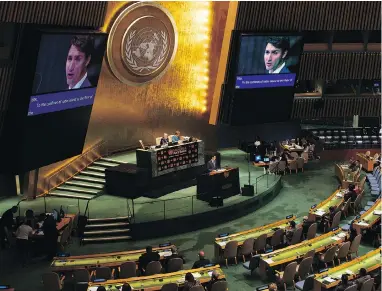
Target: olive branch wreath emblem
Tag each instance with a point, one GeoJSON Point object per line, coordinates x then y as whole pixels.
{"type": "Point", "coordinates": [131, 61]}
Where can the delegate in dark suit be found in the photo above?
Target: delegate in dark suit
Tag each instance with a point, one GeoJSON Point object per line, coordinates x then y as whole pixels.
{"type": "Point", "coordinates": [146, 258]}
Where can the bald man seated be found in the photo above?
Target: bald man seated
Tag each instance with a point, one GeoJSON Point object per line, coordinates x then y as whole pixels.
{"type": "Point", "coordinates": [215, 277]}
{"type": "Point", "coordinates": [201, 262]}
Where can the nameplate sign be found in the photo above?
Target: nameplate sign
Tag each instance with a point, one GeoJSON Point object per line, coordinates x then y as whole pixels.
{"type": "Point", "coordinates": [173, 157]}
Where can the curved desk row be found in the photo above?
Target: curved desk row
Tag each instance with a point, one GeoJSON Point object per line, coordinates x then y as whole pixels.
{"type": "Point", "coordinates": [371, 261]}
{"type": "Point", "coordinates": [91, 262]}
{"type": "Point", "coordinates": [240, 237]}
{"type": "Point", "coordinates": [336, 200]}
{"type": "Point", "coordinates": [297, 251]}
{"type": "Point", "coordinates": [155, 282]}
{"type": "Point", "coordinates": [369, 218]}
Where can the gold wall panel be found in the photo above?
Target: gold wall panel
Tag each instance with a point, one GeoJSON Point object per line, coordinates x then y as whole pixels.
{"type": "Point", "coordinates": [181, 99]}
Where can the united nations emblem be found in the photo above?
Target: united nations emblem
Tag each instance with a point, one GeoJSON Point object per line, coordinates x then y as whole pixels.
{"type": "Point", "coordinates": [142, 43]}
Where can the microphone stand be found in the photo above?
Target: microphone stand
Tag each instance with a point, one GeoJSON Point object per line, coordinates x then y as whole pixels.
{"type": "Point", "coordinates": [249, 171]}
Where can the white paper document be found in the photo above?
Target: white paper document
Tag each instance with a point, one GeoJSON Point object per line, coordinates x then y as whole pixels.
{"type": "Point", "coordinates": [165, 254]}
{"type": "Point", "coordinates": [196, 275]}
{"type": "Point", "coordinates": [336, 238]}
{"type": "Point", "coordinates": [377, 212]}
{"type": "Point", "coordinates": [330, 280]}
{"type": "Point", "coordinates": [268, 261]}
{"type": "Point", "coordinates": [222, 243]}
{"type": "Point", "coordinates": [362, 223]}
{"type": "Point", "coordinates": [320, 212]}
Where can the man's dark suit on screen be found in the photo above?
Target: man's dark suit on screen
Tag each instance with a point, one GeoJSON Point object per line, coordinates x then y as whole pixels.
{"type": "Point", "coordinates": [86, 84]}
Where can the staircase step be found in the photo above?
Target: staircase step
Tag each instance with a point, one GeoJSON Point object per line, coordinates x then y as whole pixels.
{"type": "Point", "coordinates": [106, 232]}
{"type": "Point", "coordinates": [84, 184]}
{"type": "Point", "coordinates": [71, 195]}
{"type": "Point", "coordinates": [107, 225]}
{"type": "Point", "coordinates": [108, 219]}
{"type": "Point", "coordinates": [96, 168]}
{"type": "Point", "coordinates": [93, 174]}
{"type": "Point", "coordinates": [111, 160]}
{"type": "Point", "coordinates": [77, 189]}
{"type": "Point", "coordinates": [88, 179]}
{"type": "Point", "coordinates": [105, 164]}
{"type": "Point", "coordinates": [106, 239]}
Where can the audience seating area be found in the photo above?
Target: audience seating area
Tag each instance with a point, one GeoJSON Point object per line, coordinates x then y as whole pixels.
{"type": "Point", "coordinates": [325, 249]}
{"type": "Point", "coordinates": [349, 138]}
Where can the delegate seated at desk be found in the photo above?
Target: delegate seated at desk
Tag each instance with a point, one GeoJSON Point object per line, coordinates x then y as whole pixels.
{"type": "Point", "coordinates": [211, 165]}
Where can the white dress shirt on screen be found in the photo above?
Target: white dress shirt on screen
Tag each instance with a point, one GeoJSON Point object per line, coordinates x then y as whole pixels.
{"type": "Point", "coordinates": [78, 85]}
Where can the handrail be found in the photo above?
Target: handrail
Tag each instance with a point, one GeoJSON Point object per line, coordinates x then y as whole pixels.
{"type": "Point", "coordinates": [63, 169]}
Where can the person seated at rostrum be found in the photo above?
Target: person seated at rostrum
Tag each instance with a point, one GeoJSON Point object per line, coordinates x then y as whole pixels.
{"type": "Point", "coordinates": [147, 257]}
{"type": "Point", "coordinates": [176, 137]}
{"type": "Point", "coordinates": [202, 261]}
{"type": "Point", "coordinates": [164, 140]}
{"type": "Point", "coordinates": [215, 277]}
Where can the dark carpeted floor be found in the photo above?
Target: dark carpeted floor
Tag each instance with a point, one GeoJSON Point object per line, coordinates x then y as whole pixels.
{"type": "Point", "coordinates": [299, 192]}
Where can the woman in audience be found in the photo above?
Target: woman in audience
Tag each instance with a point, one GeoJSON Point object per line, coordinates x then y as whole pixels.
{"type": "Point", "coordinates": [126, 287]}
{"type": "Point", "coordinates": [101, 288]}
{"type": "Point", "coordinates": [190, 282]}
{"type": "Point", "coordinates": [22, 240]}
{"type": "Point", "coordinates": [351, 194]}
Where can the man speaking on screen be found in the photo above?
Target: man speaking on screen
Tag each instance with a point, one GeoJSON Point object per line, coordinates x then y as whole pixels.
{"type": "Point", "coordinates": [79, 56]}
{"type": "Point", "coordinates": [276, 51]}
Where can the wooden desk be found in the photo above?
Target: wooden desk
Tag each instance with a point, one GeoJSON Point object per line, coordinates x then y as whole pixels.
{"type": "Point", "coordinates": [60, 226]}
{"type": "Point", "coordinates": [240, 237]}
{"type": "Point", "coordinates": [344, 175]}
{"type": "Point", "coordinates": [367, 163]}
{"type": "Point", "coordinates": [368, 219]}
{"type": "Point", "coordinates": [89, 262]}
{"type": "Point", "coordinates": [155, 282]}
{"type": "Point", "coordinates": [223, 183]}
{"type": "Point", "coordinates": [371, 261]}
{"type": "Point", "coordinates": [336, 200]}
{"type": "Point", "coordinates": [294, 252]}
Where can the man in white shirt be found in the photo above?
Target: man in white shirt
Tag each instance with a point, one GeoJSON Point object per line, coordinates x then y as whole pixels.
{"type": "Point", "coordinates": [22, 236]}
{"type": "Point", "coordinates": [77, 61]}
{"type": "Point", "coordinates": [275, 54]}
